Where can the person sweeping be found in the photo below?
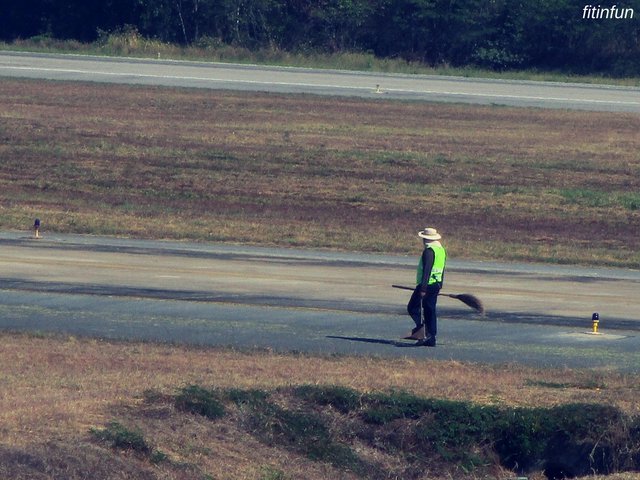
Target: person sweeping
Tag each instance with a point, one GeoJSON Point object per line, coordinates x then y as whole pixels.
{"type": "Point", "coordinates": [429, 280]}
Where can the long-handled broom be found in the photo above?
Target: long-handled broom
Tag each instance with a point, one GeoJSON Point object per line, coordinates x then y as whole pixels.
{"type": "Point", "coordinates": [466, 298]}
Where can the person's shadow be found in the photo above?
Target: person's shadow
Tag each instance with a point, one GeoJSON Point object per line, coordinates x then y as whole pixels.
{"type": "Point", "coordinates": [382, 341]}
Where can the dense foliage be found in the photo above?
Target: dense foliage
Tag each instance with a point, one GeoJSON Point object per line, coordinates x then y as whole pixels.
{"type": "Point", "coordinates": [497, 34]}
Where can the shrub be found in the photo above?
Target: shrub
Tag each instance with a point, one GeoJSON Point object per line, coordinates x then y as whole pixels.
{"type": "Point", "coordinates": [384, 408]}
{"type": "Point", "coordinates": [244, 397]}
{"type": "Point", "coordinates": [305, 432]}
{"type": "Point", "coordinates": [195, 399]}
{"type": "Point", "coordinates": [342, 399]}
{"type": "Point", "coordinates": [565, 441]}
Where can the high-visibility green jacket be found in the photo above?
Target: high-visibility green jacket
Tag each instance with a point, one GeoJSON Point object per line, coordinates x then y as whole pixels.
{"type": "Point", "coordinates": [431, 266]}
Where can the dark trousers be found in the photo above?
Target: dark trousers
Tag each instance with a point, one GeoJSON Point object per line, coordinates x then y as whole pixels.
{"type": "Point", "coordinates": [428, 306]}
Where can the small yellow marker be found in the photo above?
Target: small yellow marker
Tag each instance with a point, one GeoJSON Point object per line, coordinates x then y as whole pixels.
{"type": "Point", "coordinates": [595, 320]}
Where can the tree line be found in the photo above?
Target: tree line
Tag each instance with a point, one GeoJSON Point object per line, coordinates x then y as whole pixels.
{"type": "Point", "coordinates": [494, 34]}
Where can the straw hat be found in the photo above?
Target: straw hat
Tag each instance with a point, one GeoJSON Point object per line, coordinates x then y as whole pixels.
{"type": "Point", "coordinates": [430, 234]}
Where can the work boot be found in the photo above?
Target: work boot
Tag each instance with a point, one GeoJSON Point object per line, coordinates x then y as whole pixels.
{"type": "Point", "coordinates": [428, 341]}
{"type": "Point", "coordinates": [417, 333]}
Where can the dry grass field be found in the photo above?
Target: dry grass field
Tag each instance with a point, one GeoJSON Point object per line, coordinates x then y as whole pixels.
{"type": "Point", "coordinates": [318, 172]}
{"type": "Point", "coordinates": [56, 389]}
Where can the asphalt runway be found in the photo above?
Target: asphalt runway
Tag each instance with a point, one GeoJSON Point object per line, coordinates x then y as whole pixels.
{"type": "Point", "coordinates": [313, 301]}
{"type": "Point", "coordinates": [286, 80]}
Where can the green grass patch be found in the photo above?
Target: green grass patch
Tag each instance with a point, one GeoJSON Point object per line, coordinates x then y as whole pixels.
{"type": "Point", "coordinates": [198, 400]}
{"type": "Point", "coordinates": [121, 437]}
{"type": "Point", "coordinates": [305, 432]}
{"type": "Point", "coordinates": [246, 397]}
{"type": "Point", "coordinates": [343, 399]}
{"type": "Point", "coordinates": [600, 199]}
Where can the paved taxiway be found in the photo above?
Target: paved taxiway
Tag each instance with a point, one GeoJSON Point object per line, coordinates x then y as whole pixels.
{"type": "Point", "coordinates": [319, 82]}
{"type": "Point", "coordinates": [313, 301]}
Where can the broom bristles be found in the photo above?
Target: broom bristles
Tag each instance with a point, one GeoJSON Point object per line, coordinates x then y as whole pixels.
{"type": "Point", "coordinates": [470, 300]}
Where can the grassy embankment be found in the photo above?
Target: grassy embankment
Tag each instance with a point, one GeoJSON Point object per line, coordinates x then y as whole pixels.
{"type": "Point", "coordinates": [84, 408]}
{"type": "Point", "coordinates": [304, 171]}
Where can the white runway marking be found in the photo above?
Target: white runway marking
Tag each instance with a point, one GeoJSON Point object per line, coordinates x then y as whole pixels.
{"type": "Point", "coordinates": [371, 89]}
